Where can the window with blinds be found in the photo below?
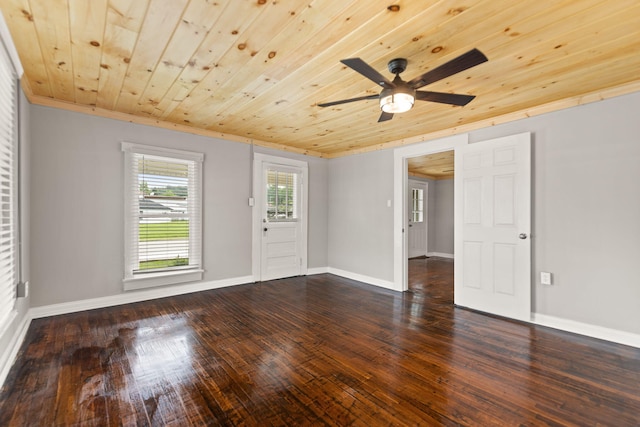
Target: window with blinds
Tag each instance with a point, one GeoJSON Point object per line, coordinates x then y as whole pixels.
{"type": "Point", "coordinates": [8, 186]}
{"type": "Point", "coordinates": [417, 203]}
{"type": "Point", "coordinates": [282, 197]}
{"type": "Point", "coordinates": [163, 214]}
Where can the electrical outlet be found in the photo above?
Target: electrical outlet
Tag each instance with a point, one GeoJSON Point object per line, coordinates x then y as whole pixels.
{"type": "Point", "coordinates": [23, 289]}
{"type": "Point", "coordinates": [545, 278]}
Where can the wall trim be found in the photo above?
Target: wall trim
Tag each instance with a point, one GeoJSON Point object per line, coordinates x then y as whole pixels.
{"type": "Point", "coordinates": [155, 122]}
{"type": "Point", "coordinates": [592, 331]}
{"type": "Point", "coordinates": [134, 296]}
{"type": "Point", "coordinates": [317, 270]}
{"type": "Point", "coordinates": [8, 356]}
{"type": "Point", "coordinates": [441, 255]}
{"type": "Point", "coordinates": [362, 278]}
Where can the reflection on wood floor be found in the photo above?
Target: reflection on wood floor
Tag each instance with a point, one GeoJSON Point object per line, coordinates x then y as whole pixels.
{"type": "Point", "coordinates": [315, 350]}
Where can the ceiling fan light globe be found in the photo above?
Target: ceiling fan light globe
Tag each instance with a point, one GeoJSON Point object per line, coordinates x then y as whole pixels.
{"type": "Point", "coordinates": [396, 102]}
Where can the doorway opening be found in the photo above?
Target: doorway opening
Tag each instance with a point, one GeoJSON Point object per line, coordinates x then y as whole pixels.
{"type": "Point", "coordinates": [430, 237]}
{"type": "Point", "coordinates": [416, 155]}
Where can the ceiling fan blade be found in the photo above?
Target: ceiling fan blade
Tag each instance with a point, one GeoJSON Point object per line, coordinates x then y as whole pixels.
{"type": "Point", "coordinates": [344, 101]}
{"type": "Point", "coordinates": [444, 98]}
{"type": "Point", "coordinates": [385, 116]}
{"type": "Point", "coordinates": [366, 70]}
{"type": "Point", "coordinates": [461, 63]}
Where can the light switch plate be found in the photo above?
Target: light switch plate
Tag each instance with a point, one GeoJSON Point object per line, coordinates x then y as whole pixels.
{"type": "Point", "coordinates": [545, 278]}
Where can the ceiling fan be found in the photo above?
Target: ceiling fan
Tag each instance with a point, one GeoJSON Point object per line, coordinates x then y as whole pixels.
{"type": "Point", "coordinates": [398, 96]}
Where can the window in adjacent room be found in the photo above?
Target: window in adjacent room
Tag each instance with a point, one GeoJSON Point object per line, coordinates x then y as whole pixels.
{"type": "Point", "coordinates": [163, 216]}
{"type": "Point", "coordinates": [417, 205]}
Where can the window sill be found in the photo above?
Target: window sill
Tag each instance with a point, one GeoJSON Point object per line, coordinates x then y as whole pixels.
{"type": "Point", "coordinates": [151, 280]}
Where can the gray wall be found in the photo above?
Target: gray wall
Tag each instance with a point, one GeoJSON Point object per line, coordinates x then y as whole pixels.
{"type": "Point", "coordinates": [586, 207]}
{"type": "Point", "coordinates": [440, 215]}
{"type": "Point", "coordinates": [77, 204]}
{"type": "Point", "coordinates": [443, 217]}
{"type": "Point", "coordinates": [360, 222]}
{"type": "Point", "coordinates": [586, 211]}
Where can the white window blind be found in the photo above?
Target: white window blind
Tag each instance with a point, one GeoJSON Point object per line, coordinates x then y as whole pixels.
{"type": "Point", "coordinates": [8, 186]}
{"type": "Point", "coordinates": [163, 198]}
{"type": "Point", "coordinates": [282, 195]}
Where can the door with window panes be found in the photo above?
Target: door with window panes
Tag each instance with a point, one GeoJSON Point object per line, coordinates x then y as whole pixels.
{"type": "Point", "coordinates": [281, 254]}
{"type": "Point", "coordinates": [417, 240]}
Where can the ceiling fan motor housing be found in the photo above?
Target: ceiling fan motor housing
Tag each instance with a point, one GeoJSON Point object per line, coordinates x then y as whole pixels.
{"type": "Point", "coordinates": [397, 66]}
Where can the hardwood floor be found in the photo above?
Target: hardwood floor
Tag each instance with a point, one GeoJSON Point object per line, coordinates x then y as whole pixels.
{"type": "Point", "coordinates": [317, 350]}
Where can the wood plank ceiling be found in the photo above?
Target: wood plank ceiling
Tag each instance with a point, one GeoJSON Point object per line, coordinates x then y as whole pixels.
{"type": "Point", "coordinates": [255, 70]}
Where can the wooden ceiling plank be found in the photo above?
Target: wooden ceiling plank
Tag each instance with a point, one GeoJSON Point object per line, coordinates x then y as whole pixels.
{"type": "Point", "coordinates": [231, 66]}
{"type": "Point", "coordinates": [411, 20]}
{"type": "Point", "coordinates": [87, 23]}
{"type": "Point", "coordinates": [291, 53]}
{"type": "Point", "coordinates": [468, 29]}
{"type": "Point", "coordinates": [332, 118]}
{"type": "Point", "coordinates": [225, 36]}
{"type": "Point", "coordinates": [526, 110]}
{"type": "Point", "coordinates": [197, 21]}
{"type": "Point", "coordinates": [160, 21]}
{"type": "Point", "coordinates": [543, 54]}
{"type": "Point", "coordinates": [385, 20]}
{"type": "Point", "coordinates": [19, 19]}
{"type": "Point", "coordinates": [431, 39]}
{"type": "Point", "coordinates": [51, 21]}
{"type": "Point", "coordinates": [587, 47]}
{"type": "Point", "coordinates": [123, 23]}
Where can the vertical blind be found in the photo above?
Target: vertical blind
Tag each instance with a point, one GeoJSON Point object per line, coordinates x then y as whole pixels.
{"type": "Point", "coordinates": [8, 186]}
{"type": "Point", "coordinates": [164, 222]}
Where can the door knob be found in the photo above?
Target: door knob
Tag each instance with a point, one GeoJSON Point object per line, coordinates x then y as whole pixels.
{"type": "Point", "coordinates": [265, 229]}
{"type": "Point", "coordinates": [522, 236]}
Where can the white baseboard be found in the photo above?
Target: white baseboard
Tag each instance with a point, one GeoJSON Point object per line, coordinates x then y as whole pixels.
{"type": "Point", "coordinates": [8, 356]}
{"type": "Point", "coordinates": [441, 255]}
{"type": "Point", "coordinates": [593, 331]}
{"type": "Point", "coordinates": [317, 270]}
{"type": "Point", "coordinates": [362, 278]}
{"type": "Point", "coordinates": [134, 296]}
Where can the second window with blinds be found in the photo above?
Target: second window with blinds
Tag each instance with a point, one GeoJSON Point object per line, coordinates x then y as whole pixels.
{"type": "Point", "coordinates": [163, 194]}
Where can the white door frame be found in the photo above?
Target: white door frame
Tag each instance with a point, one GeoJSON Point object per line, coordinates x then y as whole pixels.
{"type": "Point", "coordinates": [400, 185]}
{"type": "Point", "coordinates": [258, 160]}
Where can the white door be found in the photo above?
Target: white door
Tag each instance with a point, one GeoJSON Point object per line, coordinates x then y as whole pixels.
{"type": "Point", "coordinates": [281, 236]}
{"type": "Point", "coordinates": [493, 226]}
{"type": "Point", "coordinates": [417, 225]}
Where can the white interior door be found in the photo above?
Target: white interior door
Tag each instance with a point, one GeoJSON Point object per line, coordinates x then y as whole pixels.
{"type": "Point", "coordinates": [417, 209]}
{"type": "Point", "coordinates": [282, 212]}
{"type": "Point", "coordinates": [493, 226]}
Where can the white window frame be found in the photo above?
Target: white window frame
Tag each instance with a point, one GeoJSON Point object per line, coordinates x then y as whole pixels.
{"type": "Point", "coordinates": [10, 272]}
{"type": "Point", "coordinates": [139, 280]}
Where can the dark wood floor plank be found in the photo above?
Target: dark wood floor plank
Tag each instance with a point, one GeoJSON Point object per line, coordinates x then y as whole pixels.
{"type": "Point", "coordinates": [317, 350]}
